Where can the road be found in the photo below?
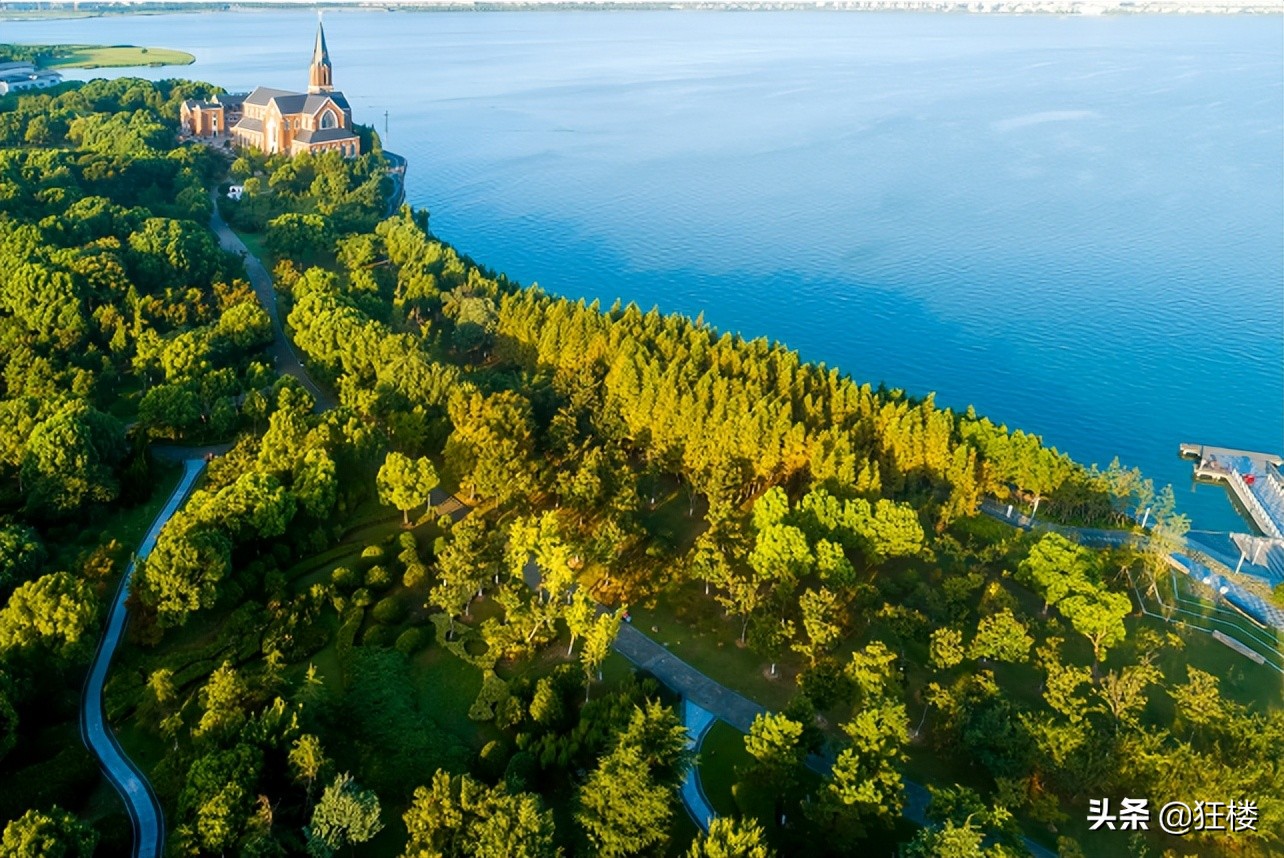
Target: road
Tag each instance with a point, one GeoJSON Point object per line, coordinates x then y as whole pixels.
{"type": "Point", "coordinates": [140, 801]}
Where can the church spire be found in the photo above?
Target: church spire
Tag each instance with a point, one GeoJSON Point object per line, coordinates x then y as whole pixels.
{"type": "Point", "coordinates": [320, 75]}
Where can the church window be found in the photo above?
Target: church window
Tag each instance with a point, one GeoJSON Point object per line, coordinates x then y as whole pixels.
{"type": "Point", "coordinates": [327, 119]}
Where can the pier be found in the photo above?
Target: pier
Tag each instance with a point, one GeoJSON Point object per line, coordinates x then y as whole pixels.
{"type": "Point", "coordinates": [1254, 479]}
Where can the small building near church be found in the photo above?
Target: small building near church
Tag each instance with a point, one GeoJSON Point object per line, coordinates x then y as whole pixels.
{"type": "Point", "coordinates": [278, 121]}
{"type": "Point", "coordinates": [203, 118]}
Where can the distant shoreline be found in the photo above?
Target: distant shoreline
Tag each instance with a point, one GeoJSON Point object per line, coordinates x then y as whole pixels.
{"type": "Point", "coordinates": [17, 11]}
{"type": "Point", "coordinates": [55, 57]}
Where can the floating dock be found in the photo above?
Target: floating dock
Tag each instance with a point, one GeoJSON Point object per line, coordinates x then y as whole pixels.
{"type": "Point", "coordinates": [1254, 478]}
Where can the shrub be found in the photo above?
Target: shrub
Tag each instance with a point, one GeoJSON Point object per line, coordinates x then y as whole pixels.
{"type": "Point", "coordinates": [361, 598]}
{"type": "Point", "coordinates": [373, 552]}
{"type": "Point", "coordinates": [389, 610]}
{"type": "Point", "coordinates": [410, 641]}
{"type": "Point", "coordinates": [378, 578]}
{"type": "Point", "coordinates": [344, 578]}
{"type": "Point", "coordinates": [416, 574]}
{"type": "Point", "coordinates": [376, 635]}
{"type": "Point", "coordinates": [348, 632]}
{"type": "Point", "coordinates": [493, 693]}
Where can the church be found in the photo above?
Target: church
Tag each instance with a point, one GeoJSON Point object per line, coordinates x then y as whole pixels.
{"type": "Point", "coordinates": [277, 121]}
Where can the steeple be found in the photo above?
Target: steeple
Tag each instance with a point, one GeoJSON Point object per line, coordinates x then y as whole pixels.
{"type": "Point", "coordinates": [320, 75]}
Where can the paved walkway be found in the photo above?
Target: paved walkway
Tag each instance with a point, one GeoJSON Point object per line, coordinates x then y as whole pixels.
{"type": "Point", "coordinates": [397, 166]}
{"type": "Point", "coordinates": [736, 709]}
{"type": "Point", "coordinates": [140, 801]}
{"type": "Point", "coordinates": [1204, 545]}
{"type": "Point", "coordinates": [284, 358]}
{"type": "Point", "coordinates": [697, 720]}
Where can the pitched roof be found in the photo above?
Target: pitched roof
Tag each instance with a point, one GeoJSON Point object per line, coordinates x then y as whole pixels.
{"type": "Point", "coordinates": [248, 124]}
{"type": "Point", "coordinates": [230, 99]}
{"type": "Point", "coordinates": [263, 94]}
{"type": "Point", "coordinates": [316, 102]}
{"type": "Point", "coordinates": [324, 135]}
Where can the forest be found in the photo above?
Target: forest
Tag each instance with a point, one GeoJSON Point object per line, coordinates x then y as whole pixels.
{"type": "Point", "coordinates": [383, 623]}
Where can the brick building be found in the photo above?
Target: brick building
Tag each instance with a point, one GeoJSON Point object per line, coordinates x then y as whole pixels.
{"type": "Point", "coordinates": [278, 121]}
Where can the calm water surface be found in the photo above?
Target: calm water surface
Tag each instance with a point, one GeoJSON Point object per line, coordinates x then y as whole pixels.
{"type": "Point", "coordinates": [1076, 225]}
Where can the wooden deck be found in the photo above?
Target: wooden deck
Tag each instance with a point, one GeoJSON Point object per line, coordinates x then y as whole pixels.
{"type": "Point", "coordinates": [1261, 494]}
{"type": "Point", "coordinates": [1208, 453]}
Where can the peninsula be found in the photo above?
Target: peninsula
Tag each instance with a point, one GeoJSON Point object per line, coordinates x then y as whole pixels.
{"type": "Point", "coordinates": [93, 56]}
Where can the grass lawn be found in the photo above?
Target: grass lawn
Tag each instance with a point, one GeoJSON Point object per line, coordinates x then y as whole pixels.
{"type": "Point", "coordinates": [692, 626]}
{"type": "Point", "coordinates": [721, 754]}
{"type": "Point", "coordinates": [253, 242]}
{"type": "Point", "coordinates": [115, 56]}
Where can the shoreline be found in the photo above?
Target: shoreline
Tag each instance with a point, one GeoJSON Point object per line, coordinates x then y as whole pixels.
{"type": "Point", "coordinates": [1078, 8]}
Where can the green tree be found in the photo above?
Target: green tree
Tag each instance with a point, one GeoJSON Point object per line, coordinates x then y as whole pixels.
{"type": "Point", "coordinates": [406, 483]}
{"type": "Point", "coordinates": [493, 443]}
{"type": "Point", "coordinates": [622, 809]}
{"type": "Point", "coordinates": [183, 571]}
{"type": "Point", "coordinates": [346, 814]}
{"type": "Point", "coordinates": [873, 671]}
{"type": "Point", "coordinates": [946, 648]}
{"type": "Point", "coordinates": [22, 553]}
{"type": "Point", "coordinates": [458, 817]}
{"type": "Point", "coordinates": [215, 801]}
{"type": "Point", "coordinates": [224, 699]}
{"type": "Point", "coordinates": [307, 759]}
{"type": "Point", "coordinates": [55, 614]}
{"type": "Point", "coordinates": [657, 732]}
{"type": "Point", "coordinates": [821, 620]}
{"type": "Point", "coordinates": [69, 459]}
{"type": "Point", "coordinates": [1002, 637]}
{"type": "Point", "coordinates": [775, 743]}
{"type": "Point", "coordinates": [952, 840]}
{"type": "Point", "coordinates": [298, 236]}
{"type": "Point", "coordinates": [730, 838]}
{"type": "Point", "coordinates": [579, 615]}
{"type": "Point", "coordinates": [865, 784]}
{"type": "Point", "coordinates": [1098, 615]}
{"type": "Point", "coordinates": [597, 645]}
{"type": "Point", "coordinates": [48, 834]}
{"type": "Point", "coordinates": [1055, 568]}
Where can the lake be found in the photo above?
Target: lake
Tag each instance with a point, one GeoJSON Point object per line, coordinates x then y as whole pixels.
{"type": "Point", "coordinates": [1075, 224]}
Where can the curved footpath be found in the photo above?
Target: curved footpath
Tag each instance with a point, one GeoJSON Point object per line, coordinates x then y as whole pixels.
{"type": "Point", "coordinates": [284, 358]}
{"type": "Point", "coordinates": [140, 801]}
{"type": "Point", "coordinates": [144, 809]}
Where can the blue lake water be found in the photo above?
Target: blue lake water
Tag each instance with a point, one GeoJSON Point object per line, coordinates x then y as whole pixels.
{"type": "Point", "coordinates": [1076, 224]}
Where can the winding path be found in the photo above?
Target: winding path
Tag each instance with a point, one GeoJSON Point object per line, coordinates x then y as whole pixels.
{"type": "Point", "coordinates": [285, 359]}
{"type": "Point", "coordinates": [144, 809]}
{"type": "Point", "coordinates": [145, 813]}
{"type": "Point", "coordinates": [140, 801]}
